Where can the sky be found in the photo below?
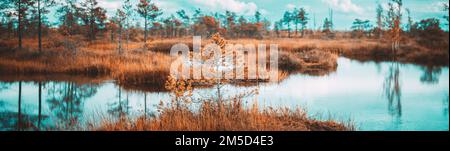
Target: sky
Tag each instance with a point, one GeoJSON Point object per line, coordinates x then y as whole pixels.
{"type": "Point", "coordinates": [344, 11]}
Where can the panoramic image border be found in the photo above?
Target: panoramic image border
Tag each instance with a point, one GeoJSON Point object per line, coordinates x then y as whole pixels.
{"type": "Point", "coordinates": [219, 68]}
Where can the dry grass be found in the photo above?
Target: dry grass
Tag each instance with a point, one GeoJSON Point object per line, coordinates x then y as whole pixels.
{"type": "Point", "coordinates": [95, 59]}
{"type": "Point", "coordinates": [136, 68]}
{"type": "Point", "coordinates": [140, 68]}
{"type": "Point", "coordinates": [312, 62]}
{"type": "Point", "coordinates": [223, 116]}
{"type": "Point", "coordinates": [362, 49]}
{"type": "Point", "coordinates": [164, 45]}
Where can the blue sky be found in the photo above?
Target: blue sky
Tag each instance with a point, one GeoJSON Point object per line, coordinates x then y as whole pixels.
{"type": "Point", "coordinates": [344, 11]}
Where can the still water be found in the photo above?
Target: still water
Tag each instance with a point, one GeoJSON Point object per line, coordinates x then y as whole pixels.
{"type": "Point", "coordinates": [375, 96]}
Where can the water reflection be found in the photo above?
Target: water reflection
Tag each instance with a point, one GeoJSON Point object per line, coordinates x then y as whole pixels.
{"type": "Point", "coordinates": [377, 96]}
{"type": "Point", "coordinates": [40, 104]}
{"type": "Point", "coordinates": [20, 120]}
{"type": "Point", "coordinates": [4, 86]}
{"type": "Point", "coordinates": [145, 106]}
{"type": "Point", "coordinates": [120, 108]}
{"type": "Point", "coordinates": [66, 101]}
{"type": "Point", "coordinates": [430, 74]}
{"type": "Point", "coordinates": [445, 105]}
{"type": "Point", "coordinates": [392, 90]}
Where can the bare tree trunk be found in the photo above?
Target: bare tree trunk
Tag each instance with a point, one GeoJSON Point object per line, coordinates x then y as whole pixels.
{"type": "Point", "coordinates": [289, 31]}
{"type": "Point", "coordinates": [91, 25]}
{"type": "Point", "coordinates": [296, 29]}
{"type": "Point", "coordinates": [19, 28]}
{"type": "Point", "coordinates": [145, 29]}
{"type": "Point", "coordinates": [127, 34]}
{"type": "Point", "coordinates": [303, 30]}
{"type": "Point", "coordinates": [39, 26]}
{"type": "Point", "coordinates": [9, 29]}
{"type": "Point", "coordinates": [92, 31]}
{"type": "Point", "coordinates": [380, 34]}
{"type": "Point", "coordinates": [112, 36]}
{"type": "Point", "coordinates": [120, 39]}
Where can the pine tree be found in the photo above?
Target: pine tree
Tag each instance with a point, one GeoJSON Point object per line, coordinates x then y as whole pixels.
{"type": "Point", "coordinates": [19, 9]}
{"type": "Point", "coordinates": [186, 20]}
{"type": "Point", "coordinates": [120, 20]}
{"type": "Point", "coordinates": [287, 19]}
{"type": "Point", "coordinates": [393, 19]}
{"type": "Point", "coordinates": [379, 12]}
{"type": "Point", "coordinates": [302, 16]}
{"type": "Point", "coordinates": [149, 11]}
{"type": "Point", "coordinates": [93, 17]}
{"type": "Point", "coordinates": [42, 8]}
{"type": "Point", "coordinates": [128, 10]}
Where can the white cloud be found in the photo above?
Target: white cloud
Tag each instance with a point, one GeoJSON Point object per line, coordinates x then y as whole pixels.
{"type": "Point", "coordinates": [346, 6]}
{"type": "Point", "coordinates": [167, 6]}
{"type": "Point", "coordinates": [264, 11]}
{"type": "Point", "coordinates": [246, 8]}
{"type": "Point", "coordinates": [290, 6]}
{"type": "Point", "coordinates": [110, 5]}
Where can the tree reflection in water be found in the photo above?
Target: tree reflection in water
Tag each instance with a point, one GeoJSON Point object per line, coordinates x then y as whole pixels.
{"type": "Point", "coordinates": [20, 119]}
{"type": "Point", "coordinates": [40, 104]}
{"type": "Point", "coordinates": [19, 112]}
{"type": "Point", "coordinates": [120, 108]}
{"type": "Point", "coordinates": [66, 101]}
{"type": "Point", "coordinates": [4, 86]}
{"type": "Point", "coordinates": [445, 105]}
{"type": "Point", "coordinates": [430, 74]}
{"type": "Point", "coordinates": [392, 91]}
{"type": "Point", "coordinates": [3, 115]}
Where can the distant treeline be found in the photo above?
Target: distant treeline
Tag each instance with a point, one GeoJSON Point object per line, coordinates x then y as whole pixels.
{"type": "Point", "coordinates": [29, 18]}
